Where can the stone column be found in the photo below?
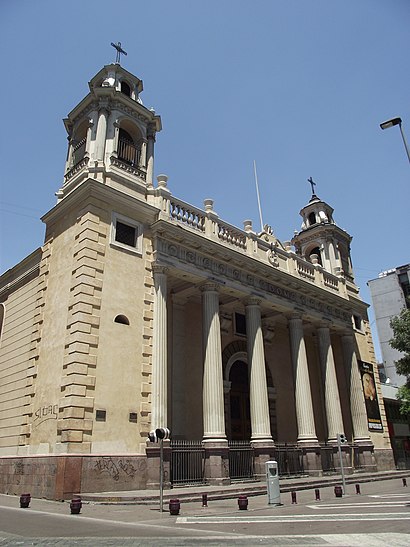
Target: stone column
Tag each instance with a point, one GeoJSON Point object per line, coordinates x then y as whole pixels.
{"type": "Point", "coordinates": [361, 436]}
{"type": "Point", "coordinates": [261, 437]}
{"type": "Point", "coordinates": [159, 416]}
{"type": "Point", "coordinates": [179, 372]}
{"type": "Point", "coordinates": [307, 438]}
{"type": "Point", "coordinates": [150, 155]}
{"type": "Point", "coordinates": [357, 404]}
{"type": "Point", "coordinates": [258, 388]}
{"type": "Point", "coordinates": [303, 397]}
{"type": "Point", "coordinates": [215, 442]}
{"type": "Point", "coordinates": [331, 390]}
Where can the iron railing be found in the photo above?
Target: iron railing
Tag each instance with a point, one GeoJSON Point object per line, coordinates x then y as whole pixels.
{"type": "Point", "coordinates": [79, 151]}
{"type": "Point", "coordinates": [128, 152]}
{"type": "Point", "coordinates": [241, 460]}
{"type": "Point", "coordinates": [327, 454]}
{"type": "Point", "coordinates": [187, 462]}
{"type": "Point", "coordinates": [290, 459]}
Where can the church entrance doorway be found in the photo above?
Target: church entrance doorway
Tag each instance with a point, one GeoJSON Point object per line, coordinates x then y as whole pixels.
{"type": "Point", "coordinates": [239, 402]}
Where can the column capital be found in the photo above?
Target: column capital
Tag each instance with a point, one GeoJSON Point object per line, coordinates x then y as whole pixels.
{"type": "Point", "coordinates": [159, 269]}
{"type": "Point", "coordinates": [252, 301]}
{"type": "Point", "coordinates": [209, 286]}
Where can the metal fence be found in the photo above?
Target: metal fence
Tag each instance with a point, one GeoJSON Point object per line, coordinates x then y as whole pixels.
{"type": "Point", "coordinates": [187, 462]}
{"type": "Point", "coordinates": [241, 460]}
{"type": "Point", "coordinates": [290, 459]}
{"type": "Point", "coordinates": [327, 454]}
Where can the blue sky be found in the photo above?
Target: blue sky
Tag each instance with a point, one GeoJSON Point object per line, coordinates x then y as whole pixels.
{"type": "Point", "coordinates": [299, 86]}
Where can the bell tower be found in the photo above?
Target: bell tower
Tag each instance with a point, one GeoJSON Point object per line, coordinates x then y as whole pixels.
{"type": "Point", "coordinates": [111, 135]}
{"type": "Point", "coordinates": [321, 241]}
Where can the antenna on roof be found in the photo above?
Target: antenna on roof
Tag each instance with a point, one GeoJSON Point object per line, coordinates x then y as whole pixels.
{"type": "Point", "coordinates": [257, 193]}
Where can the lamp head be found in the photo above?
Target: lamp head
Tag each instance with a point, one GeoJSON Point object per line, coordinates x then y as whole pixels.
{"type": "Point", "coordinates": [390, 123]}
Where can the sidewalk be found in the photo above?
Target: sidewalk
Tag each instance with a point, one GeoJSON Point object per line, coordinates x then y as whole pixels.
{"type": "Point", "coordinates": [194, 493]}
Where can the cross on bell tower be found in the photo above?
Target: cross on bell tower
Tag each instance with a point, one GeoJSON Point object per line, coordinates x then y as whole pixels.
{"type": "Point", "coordinates": [119, 51]}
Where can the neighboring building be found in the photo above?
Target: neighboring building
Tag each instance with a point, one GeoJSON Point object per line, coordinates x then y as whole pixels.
{"type": "Point", "coordinates": [390, 293]}
{"type": "Point", "coordinates": [141, 311]}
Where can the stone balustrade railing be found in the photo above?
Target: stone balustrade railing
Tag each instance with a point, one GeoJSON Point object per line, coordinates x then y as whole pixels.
{"type": "Point", "coordinates": [207, 224]}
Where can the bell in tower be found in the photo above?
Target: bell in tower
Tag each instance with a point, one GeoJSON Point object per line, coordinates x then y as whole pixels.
{"type": "Point", "coordinates": [111, 135]}
{"type": "Point", "coordinates": [321, 241]}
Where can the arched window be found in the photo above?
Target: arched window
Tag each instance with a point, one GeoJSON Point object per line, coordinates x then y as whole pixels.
{"type": "Point", "coordinates": [122, 319]}
{"type": "Point", "coordinates": [316, 251]}
{"type": "Point", "coordinates": [125, 88]}
{"type": "Point", "coordinates": [79, 143]}
{"type": "Point", "coordinates": [128, 150]}
{"type": "Point", "coordinates": [312, 219]}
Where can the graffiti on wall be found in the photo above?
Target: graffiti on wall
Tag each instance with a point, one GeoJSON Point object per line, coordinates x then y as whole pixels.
{"type": "Point", "coordinates": [44, 413]}
{"type": "Point", "coordinates": [114, 469]}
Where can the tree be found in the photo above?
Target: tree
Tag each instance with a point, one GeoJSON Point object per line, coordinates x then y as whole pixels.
{"type": "Point", "coordinates": [401, 341]}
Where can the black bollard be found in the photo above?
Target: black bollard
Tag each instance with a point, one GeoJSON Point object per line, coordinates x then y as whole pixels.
{"type": "Point", "coordinates": [25, 500]}
{"type": "Point", "coordinates": [357, 488]}
{"type": "Point", "coordinates": [317, 494]}
{"type": "Point", "coordinates": [204, 500]}
{"type": "Point", "coordinates": [338, 491]}
{"type": "Point", "coordinates": [293, 496]}
{"type": "Point", "coordinates": [174, 506]}
{"type": "Point", "coordinates": [243, 503]}
{"type": "Point", "coordinates": [75, 505]}
{"type": "Point", "coordinates": [404, 482]}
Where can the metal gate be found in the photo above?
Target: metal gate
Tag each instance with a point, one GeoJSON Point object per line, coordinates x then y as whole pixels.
{"type": "Point", "coordinates": [327, 454]}
{"type": "Point", "coordinates": [290, 459]}
{"type": "Point", "coordinates": [187, 462]}
{"type": "Point", "coordinates": [241, 460]}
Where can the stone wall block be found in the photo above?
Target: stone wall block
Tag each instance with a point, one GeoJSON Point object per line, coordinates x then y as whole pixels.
{"type": "Point", "coordinates": [73, 400]}
{"type": "Point", "coordinates": [71, 436]}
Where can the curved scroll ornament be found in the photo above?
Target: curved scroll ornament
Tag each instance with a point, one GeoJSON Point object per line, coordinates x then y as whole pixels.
{"type": "Point", "coordinates": [273, 258]}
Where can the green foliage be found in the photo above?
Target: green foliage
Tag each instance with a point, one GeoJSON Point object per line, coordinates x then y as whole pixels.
{"type": "Point", "coordinates": [401, 341]}
{"type": "Point", "coordinates": [403, 396]}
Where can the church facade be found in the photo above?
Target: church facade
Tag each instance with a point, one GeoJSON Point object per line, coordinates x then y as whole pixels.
{"type": "Point", "coordinates": [141, 311]}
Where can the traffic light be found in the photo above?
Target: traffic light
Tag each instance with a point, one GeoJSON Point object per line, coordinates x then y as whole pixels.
{"type": "Point", "coordinates": [162, 433]}
{"type": "Point", "coordinates": [341, 437]}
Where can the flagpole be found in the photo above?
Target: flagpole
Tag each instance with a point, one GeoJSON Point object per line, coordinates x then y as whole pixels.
{"type": "Point", "coordinates": [257, 193]}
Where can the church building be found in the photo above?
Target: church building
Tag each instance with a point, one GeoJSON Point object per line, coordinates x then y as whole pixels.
{"type": "Point", "coordinates": [141, 312]}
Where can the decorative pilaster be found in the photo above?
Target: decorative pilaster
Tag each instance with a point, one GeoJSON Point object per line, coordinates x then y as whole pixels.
{"type": "Point", "coordinates": [159, 416]}
{"type": "Point", "coordinates": [357, 404]}
{"type": "Point", "coordinates": [303, 397]}
{"type": "Point", "coordinates": [332, 399]}
{"type": "Point", "coordinates": [150, 155]}
{"type": "Point", "coordinates": [101, 134]}
{"type": "Point", "coordinates": [80, 360]}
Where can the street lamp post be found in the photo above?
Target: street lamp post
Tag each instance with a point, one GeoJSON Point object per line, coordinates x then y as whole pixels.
{"type": "Point", "coordinates": [393, 122]}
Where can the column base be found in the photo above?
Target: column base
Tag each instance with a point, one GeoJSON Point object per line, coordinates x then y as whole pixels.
{"type": "Point", "coordinates": [263, 451]}
{"type": "Point", "coordinates": [153, 465]}
{"type": "Point", "coordinates": [364, 459]}
{"type": "Point", "coordinates": [216, 462]}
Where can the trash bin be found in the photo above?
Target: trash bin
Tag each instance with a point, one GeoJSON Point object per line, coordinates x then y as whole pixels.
{"type": "Point", "coordinates": [272, 480]}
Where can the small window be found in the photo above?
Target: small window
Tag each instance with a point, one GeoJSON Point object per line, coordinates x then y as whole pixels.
{"type": "Point", "coordinates": [357, 321]}
{"type": "Point", "coordinates": [312, 219]}
{"type": "Point", "coordinates": [133, 417]}
{"type": "Point", "coordinates": [240, 324]}
{"type": "Point", "coordinates": [126, 233]}
{"type": "Point", "coordinates": [122, 319]}
{"type": "Point", "coordinates": [100, 415]}
{"type": "Point", "coordinates": [125, 88]}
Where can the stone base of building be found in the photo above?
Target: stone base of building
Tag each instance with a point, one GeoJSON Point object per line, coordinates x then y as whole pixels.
{"type": "Point", "coordinates": [312, 461]}
{"type": "Point", "coordinates": [59, 477]}
{"type": "Point", "coordinates": [263, 451]}
{"type": "Point", "coordinates": [217, 462]}
{"type": "Point", "coordinates": [384, 459]}
{"type": "Point", "coordinates": [153, 452]}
